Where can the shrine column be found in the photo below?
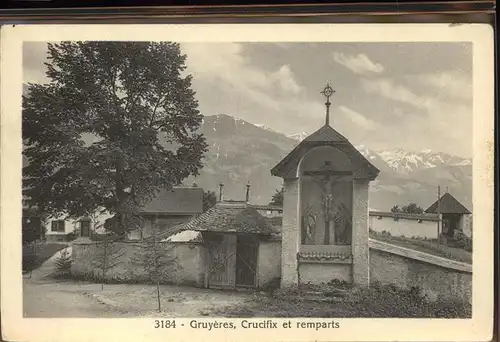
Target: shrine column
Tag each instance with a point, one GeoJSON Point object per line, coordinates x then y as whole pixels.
{"type": "Point", "coordinates": [290, 238]}
{"type": "Point", "coordinates": [360, 231]}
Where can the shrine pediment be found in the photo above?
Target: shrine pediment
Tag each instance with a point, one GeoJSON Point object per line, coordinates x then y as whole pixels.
{"type": "Point", "coordinates": [360, 168]}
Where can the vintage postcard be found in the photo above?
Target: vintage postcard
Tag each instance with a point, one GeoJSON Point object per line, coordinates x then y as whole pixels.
{"type": "Point", "coordinates": [247, 182]}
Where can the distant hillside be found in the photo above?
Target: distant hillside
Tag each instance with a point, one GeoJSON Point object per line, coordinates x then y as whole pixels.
{"type": "Point", "coordinates": [241, 152]}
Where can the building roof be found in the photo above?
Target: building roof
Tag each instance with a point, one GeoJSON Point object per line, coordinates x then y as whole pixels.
{"type": "Point", "coordinates": [176, 201]}
{"type": "Point", "coordinates": [275, 222]}
{"type": "Point", "coordinates": [448, 205]}
{"type": "Point", "coordinates": [267, 207]}
{"type": "Point", "coordinates": [185, 236]}
{"type": "Point", "coordinates": [228, 218]}
{"type": "Point", "coordinates": [423, 217]}
{"type": "Point", "coordinates": [325, 136]}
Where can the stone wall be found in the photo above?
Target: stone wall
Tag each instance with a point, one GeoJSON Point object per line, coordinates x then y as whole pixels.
{"type": "Point", "coordinates": [269, 261]}
{"type": "Point", "coordinates": [405, 268]}
{"type": "Point", "coordinates": [403, 227]}
{"type": "Point", "coordinates": [189, 270]}
{"type": "Point", "coordinates": [323, 272]}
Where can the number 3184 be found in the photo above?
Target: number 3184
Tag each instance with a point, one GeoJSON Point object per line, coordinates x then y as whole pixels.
{"type": "Point", "coordinates": [159, 324]}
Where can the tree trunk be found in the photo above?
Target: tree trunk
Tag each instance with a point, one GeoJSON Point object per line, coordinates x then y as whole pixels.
{"type": "Point", "coordinates": [120, 194]}
{"type": "Point", "coordinates": [158, 293]}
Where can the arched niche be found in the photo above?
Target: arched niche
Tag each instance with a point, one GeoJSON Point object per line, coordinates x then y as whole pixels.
{"type": "Point", "coordinates": [325, 175]}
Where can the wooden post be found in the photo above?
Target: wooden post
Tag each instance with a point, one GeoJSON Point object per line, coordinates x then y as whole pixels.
{"type": "Point", "coordinates": [438, 212]}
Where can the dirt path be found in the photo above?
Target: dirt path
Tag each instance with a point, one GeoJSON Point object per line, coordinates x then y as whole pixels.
{"type": "Point", "coordinates": [44, 296]}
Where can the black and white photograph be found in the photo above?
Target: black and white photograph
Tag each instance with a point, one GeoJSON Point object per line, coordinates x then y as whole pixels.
{"type": "Point", "coordinates": [250, 180]}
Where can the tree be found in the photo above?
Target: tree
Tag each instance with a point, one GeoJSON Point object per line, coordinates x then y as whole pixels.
{"type": "Point", "coordinates": [116, 123]}
{"type": "Point", "coordinates": [277, 198]}
{"type": "Point", "coordinates": [63, 264]}
{"type": "Point", "coordinates": [411, 208]}
{"type": "Point", "coordinates": [209, 200]}
{"type": "Point", "coordinates": [107, 256]}
{"type": "Point", "coordinates": [156, 258]}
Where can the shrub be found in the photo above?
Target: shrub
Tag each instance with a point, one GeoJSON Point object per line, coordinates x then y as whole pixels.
{"type": "Point", "coordinates": [272, 285]}
{"type": "Point", "coordinates": [459, 240]}
{"type": "Point", "coordinates": [63, 264]}
{"type": "Point", "coordinates": [30, 261]}
{"type": "Point", "coordinates": [71, 236]}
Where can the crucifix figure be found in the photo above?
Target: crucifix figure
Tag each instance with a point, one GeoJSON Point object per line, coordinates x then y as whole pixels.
{"type": "Point", "coordinates": [327, 92]}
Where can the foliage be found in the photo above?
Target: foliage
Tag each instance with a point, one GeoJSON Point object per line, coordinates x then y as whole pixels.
{"type": "Point", "coordinates": [116, 123]}
{"type": "Point", "coordinates": [431, 246]}
{"type": "Point", "coordinates": [107, 256]}
{"type": "Point", "coordinates": [411, 208]}
{"type": "Point", "coordinates": [70, 236]}
{"type": "Point", "coordinates": [277, 198]}
{"type": "Point", "coordinates": [458, 240]}
{"type": "Point", "coordinates": [34, 254]}
{"type": "Point", "coordinates": [209, 200]}
{"type": "Point", "coordinates": [381, 301]}
{"type": "Point", "coordinates": [32, 228]}
{"type": "Point", "coordinates": [63, 264]}
{"type": "Point", "coordinates": [156, 259]}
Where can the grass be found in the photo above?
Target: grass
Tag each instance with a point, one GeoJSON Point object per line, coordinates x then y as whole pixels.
{"type": "Point", "coordinates": [376, 301]}
{"type": "Point", "coordinates": [34, 255]}
{"type": "Point", "coordinates": [426, 246]}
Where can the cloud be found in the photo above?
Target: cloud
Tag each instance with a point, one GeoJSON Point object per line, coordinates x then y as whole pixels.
{"type": "Point", "coordinates": [358, 119]}
{"type": "Point", "coordinates": [389, 89]}
{"type": "Point", "coordinates": [249, 89]}
{"type": "Point", "coordinates": [448, 83]}
{"type": "Point", "coordinates": [285, 78]}
{"type": "Point", "coordinates": [359, 64]}
{"type": "Point", "coordinates": [431, 111]}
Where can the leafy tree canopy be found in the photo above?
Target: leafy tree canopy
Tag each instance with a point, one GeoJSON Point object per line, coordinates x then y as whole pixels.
{"type": "Point", "coordinates": [209, 200]}
{"type": "Point", "coordinates": [277, 198]}
{"type": "Point", "coordinates": [116, 122]}
{"type": "Point", "coordinates": [411, 208]}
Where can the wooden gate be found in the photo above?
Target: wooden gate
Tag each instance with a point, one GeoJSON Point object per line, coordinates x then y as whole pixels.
{"type": "Point", "coordinates": [222, 261]}
{"type": "Point", "coordinates": [246, 264]}
{"type": "Point", "coordinates": [232, 261]}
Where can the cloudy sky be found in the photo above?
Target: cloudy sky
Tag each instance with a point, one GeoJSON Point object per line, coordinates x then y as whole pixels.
{"type": "Point", "coordinates": [388, 95]}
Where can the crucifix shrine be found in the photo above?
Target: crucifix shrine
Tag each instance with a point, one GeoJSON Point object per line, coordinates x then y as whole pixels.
{"type": "Point", "coordinates": [325, 208]}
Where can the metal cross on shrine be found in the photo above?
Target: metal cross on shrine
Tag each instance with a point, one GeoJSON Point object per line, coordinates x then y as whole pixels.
{"type": "Point", "coordinates": [327, 92]}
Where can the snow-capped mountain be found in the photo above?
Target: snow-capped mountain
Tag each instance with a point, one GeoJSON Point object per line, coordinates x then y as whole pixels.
{"type": "Point", "coordinates": [267, 128]}
{"type": "Point", "coordinates": [406, 162]}
{"type": "Point", "coordinates": [241, 152]}
{"type": "Point", "coordinates": [298, 136]}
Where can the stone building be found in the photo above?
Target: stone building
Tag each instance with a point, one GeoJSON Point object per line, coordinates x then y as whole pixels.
{"type": "Point", "coordinates": [454, 216]}
{"type": "Point", "coordinates": [325, 209]}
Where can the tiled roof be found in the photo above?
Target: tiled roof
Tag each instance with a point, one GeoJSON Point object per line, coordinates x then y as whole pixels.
{"type": "Point", "coordinates": [275, 222]}
{"type": "Point", "coordinates": [228, 218]}
{"type": "Point", "coordinates": [177, 201]}
{"type": "Point", "coordinates": [325, 133]}
{"type": "Point", "coordinates": [267, 207]}
{"type": "Point", "coordinates": [325, 136]}
{"type": "Point", "coordinates": [448, 205]}
{"type": "Point", "coordinates": [185, 237]}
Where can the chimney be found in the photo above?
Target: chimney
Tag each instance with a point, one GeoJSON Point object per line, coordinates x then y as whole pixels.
{"type": "Point", "coordinates": [221, 187]}
{"type": "Point", "coordinates": [247, 197]}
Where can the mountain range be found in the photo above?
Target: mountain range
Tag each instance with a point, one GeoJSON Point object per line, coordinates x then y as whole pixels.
{"type": "Point", "coordinates": [241, 152]}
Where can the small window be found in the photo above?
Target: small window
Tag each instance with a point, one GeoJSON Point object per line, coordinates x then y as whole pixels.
{"type": "Point", "coordinates": [58, 226]}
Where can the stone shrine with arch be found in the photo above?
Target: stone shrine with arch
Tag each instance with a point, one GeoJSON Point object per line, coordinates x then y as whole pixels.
{"type": "Point", "coordinates": [325, 209]}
